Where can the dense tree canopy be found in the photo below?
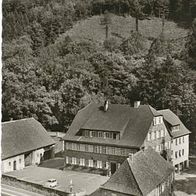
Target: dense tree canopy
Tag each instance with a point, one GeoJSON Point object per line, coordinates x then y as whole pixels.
{"type": "Point", "coordinates": [50, 76]}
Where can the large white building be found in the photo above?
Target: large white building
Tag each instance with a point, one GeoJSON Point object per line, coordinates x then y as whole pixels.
{"type": "Point", "coordinates": [179, 139]}
{"type": "Point", "coordinates": [24, 142]}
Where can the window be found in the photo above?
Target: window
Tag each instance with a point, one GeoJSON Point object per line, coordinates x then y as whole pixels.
{"type": "Point", "coordinates": [157, 148]}
{"type": "Point", "coordinates": [162, 133]}
{"type": "Point", "coordinates": [176, 155]}
{"type": "Point", "coordinates": [99, 164]}
{"type": "Point", "coordinates": [73, 160]}
{"type": "Point", "coordinates": [74, 146]}
{"type": "Point", "coordinates": [95, 149]}
{"type": "Point", "coordinates": [179, 153]}
{"type": "Point", "coordinates": [86, 133]}
{"type": "Point", "coordinates": [117, 151]}
{"type": "Point", "coordinates": [172, 152]}
{"type": "Point", "coordinates": [157, 120]}
{"type": "Point", "coordinates": [9, 163]}
{"type": "Point", "coordinates": [90, 134]}
{"type": "Point", "coordinates": [20, 160]}
{"type": "Point", "coordinates": [166, 145]}
{"type": "Point", "coordinates": [90, 163]}
{"type": "Point", "coordinates": [100, 134]}
{"type": "Point", "coordinates": [78, 147]}
{"type": "Point", "coordinates": [99, 149]}
{"type": "Point", "coordinates": [107, 135]}
{"type": "Point", "coordinates": [86, 147]}
{"type": "Point", "coordinates": [182, 152]}
{"type": "Point", "coordinates": [176, 142]}
{"type": "Point", "coordinates": [82, 147]}
{"type": "Point", "coordinates": [160, 119]}
{"type": "Point", "coordinates": [90, 148]}
{"type": "Point", "coordinates": [66, 159]}
{"type": "Point", "coordinates": [114, 135]}
{"type": "Point", "coordinates": [103, 149]}
{"type": "Point", "coordinates": [113, 150]}
{"type": "Point", "coordinates": [179, 140]}
{"type": "Point", "coordinates": [93, 134]}
{"type": "Point", "coordinates": [82, 162]}
{"type": "Point", "coordinates": [183, 139]}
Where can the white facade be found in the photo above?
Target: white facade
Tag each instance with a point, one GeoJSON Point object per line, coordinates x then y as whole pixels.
{"type": "Point", "coordinates": [18, 162]}
{"type": "Point", "coordinates": [13, 163]}
{"type": "Point", "coordinates": [180, 151]}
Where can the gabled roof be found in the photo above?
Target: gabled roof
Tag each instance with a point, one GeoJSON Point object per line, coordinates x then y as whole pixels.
{"type": "Point", "coordinates": [132, 123]}
{"type": "Point", "coordinates": [22, 136]}
{"type": "Point", "coordinates": [173, 120]}
{"type": "Point", "coordinates": [140, 175]}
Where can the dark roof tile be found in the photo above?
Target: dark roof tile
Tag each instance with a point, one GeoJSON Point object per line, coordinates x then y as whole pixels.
{"type": "Point", "coordinates": [173, 120]}
{"type": "Point", "coordinates": [140, 175]}
{"type": "Point", "coordinates": [22, 136]}
{"type": "Point", "coordinates": [132, 123]}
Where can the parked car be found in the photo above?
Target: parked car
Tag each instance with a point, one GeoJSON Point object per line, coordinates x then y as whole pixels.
{"type": "Point", "coordinates": [51, 183]}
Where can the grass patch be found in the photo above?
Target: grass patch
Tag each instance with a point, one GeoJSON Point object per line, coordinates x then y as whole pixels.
{"type": "Point", "coordinates": [91, 29]}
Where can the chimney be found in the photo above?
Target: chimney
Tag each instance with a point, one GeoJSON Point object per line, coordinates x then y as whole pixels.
{"type": "Point", "coordinates": [136, 104]}
{"type": "Point", "coordinates": [131, 156]}
{"type": "Point", "coordinates": [106, 105]}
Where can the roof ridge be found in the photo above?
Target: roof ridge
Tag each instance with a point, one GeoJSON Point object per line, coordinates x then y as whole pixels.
{"type": "Point", "coordinates": [164, 109]}
{"type": "Point", "coordinates": [12, 121]}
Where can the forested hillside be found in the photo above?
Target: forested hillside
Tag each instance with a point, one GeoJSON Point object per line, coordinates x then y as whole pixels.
{"type": "Point", "coordinates": [58, 55]}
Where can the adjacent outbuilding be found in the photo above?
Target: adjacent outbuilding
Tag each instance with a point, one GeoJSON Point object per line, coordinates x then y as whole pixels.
{"type": "Point", "coordinates": [24, 142]}
{"type": "Point", "coordinates": [145, 173]}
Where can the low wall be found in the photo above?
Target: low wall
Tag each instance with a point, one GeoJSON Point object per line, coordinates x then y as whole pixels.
{"type": "Point", "coordinates": [12, 181]}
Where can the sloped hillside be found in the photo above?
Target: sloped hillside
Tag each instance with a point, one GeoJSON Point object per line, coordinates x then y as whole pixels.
{"type": "Point", "coordinates": [91, 29]}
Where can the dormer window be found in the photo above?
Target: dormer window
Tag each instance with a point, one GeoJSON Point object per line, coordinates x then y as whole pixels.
{"type": "Point", "coordinates": [175, 128]}
{"type": "Point", "coordinates": [157, 120]}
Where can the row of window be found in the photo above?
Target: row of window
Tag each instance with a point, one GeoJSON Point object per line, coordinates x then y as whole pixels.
{"type": "Point", "coordinates": [97, 149]}
{"type": "Point", "coordinates": [179, 153]}
{"type": "Point", "coordinates": [156, 134]}
{"type": "Point", "coordinates": [179, 140]}
{"type": "Point", "coordinates": [157, 120]}
{"type": "Point", "coordinates": [87, 162]}
{"type": "Point", "coordinates": [10, 163]}
{"type": "Point", "coordinates": [161, 147]}
{"type": "Point", "coordinates": [101, 134]}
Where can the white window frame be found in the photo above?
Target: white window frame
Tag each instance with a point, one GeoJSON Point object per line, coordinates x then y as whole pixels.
{"type": "Point", "coordinates": [66, 159]}
{"type": "Point", "coordinates": [162, 133]}
{"type": "Point", "coordinates": [99, 164]}
{"type": "Point", "coordinates": [82, 162]}
{"type": "Point", "coordinates": [73, 161]}
{"type": "Point", "coordinates": [90, 162]}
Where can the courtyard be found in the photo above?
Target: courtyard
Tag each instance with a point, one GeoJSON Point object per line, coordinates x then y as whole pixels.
{"type": "Point", "coordinates": [185, 182]}
{"type": "Point", "coordinates": [83, 183]}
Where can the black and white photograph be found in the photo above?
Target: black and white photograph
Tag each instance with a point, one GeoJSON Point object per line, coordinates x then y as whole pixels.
{"type": "Point", "coordinates": [98, 98]}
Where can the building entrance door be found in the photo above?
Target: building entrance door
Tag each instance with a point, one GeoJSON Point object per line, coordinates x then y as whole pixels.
{"type": "Point", "coordinates": [113, 167]}
{"type": "Point", "coordinates": [14, 165]}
